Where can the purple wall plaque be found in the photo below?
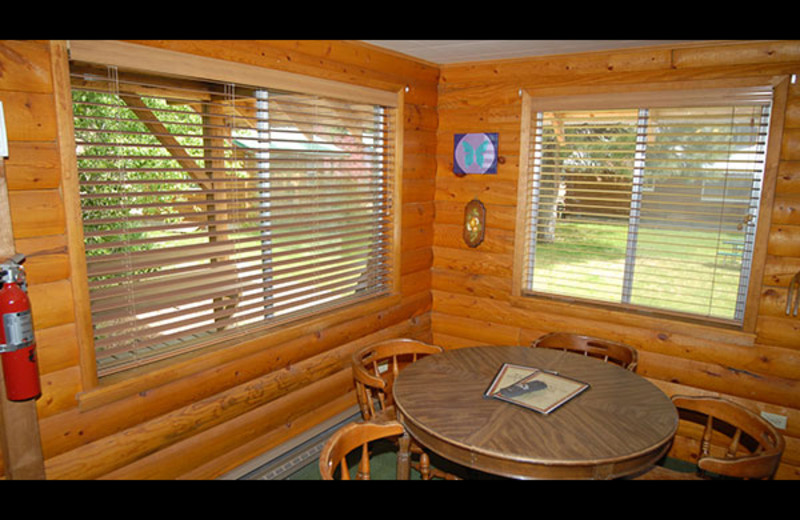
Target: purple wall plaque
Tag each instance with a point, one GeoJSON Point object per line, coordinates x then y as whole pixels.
{"type": "Point", "coordinates": [475, 153]}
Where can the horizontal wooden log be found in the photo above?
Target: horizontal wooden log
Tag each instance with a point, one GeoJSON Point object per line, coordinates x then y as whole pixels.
{"type": "Point", "coordinates": [29, 116]}
{"type": "Point", "coordinates": [36, 213]}
{"type": "Point", "coordinates": [52, 304]}
{"type": "Point", "coordinates": [33, 166]}
{"type": "Point", "coordinates": [415, 283]}
{"type": "Point", "coordinates": [244, 452]}
{"type": "Point", "coordinates": [497, 216]}
{"type": "Point", "coordinates": [121, 449]}
{"type": "Point", "coordinates": [792, 114]}
{"type": "Point", "coordinates": [26, 66]}
{"type": "Point", "coordinates": [784, 240]}
{"type": "Point", "coordinates": [418, 214]}
{"type": "Point", "coordinates": [786, 209]}
{"type": "Point", "coordinates": [790, 148]}
{"type": "Point", "coordinates": [449, 342]}
{"type": "Point", "coordinates": [718, 378]}
{"type": "Point", "coordinates": [736, 53]}
{"type": "Point", "coordinates": [788, 181]}
{"type": "Point", "coordinates": [68, 430]}
{"type": "Point", "coordinates": [285, 55]}
{"type": "Point", "coordinates": [480, 285]}
{"type": "Point", "coordinates": [280, 414]}
{"type": "Point", "coordinates": [182, 457]}
{"type": "Point", "coordinates": [413, 260]}
{"type": "Point", "coordinates": [416, 237]}
{"type": "Point", "coordinates": [485, 188]}
{"type": "Point", "coordinates": [783, 331]}
{"type": "Point", "coordinates": [779, 270]}
{"type": "Point", "coordinates": [483, 331]}
{"type": "Point", "coordinates": [452, 236]}
{"type": "Point", "coordinates": [642, 334]}
{"type": "Point", "coordinates": [418, 191]}
{"type": "Point", "coordinates": [59, 389]}
{"type": "Point", "coordinates": [474, 262]}
{"type": "Point", "coordinates": [57, 348]}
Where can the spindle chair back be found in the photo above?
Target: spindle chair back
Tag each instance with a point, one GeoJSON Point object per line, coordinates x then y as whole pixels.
{"type": "Point", "coordinates": [375, 369]}
{"type": "Point", "coordinates": [346, 440]}
{"type": "Point", "coordinates": [729, 440]}
{"type": "Point", "coordinates": [607, 350]}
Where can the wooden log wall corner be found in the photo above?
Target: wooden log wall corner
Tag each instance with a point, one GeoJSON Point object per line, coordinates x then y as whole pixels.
{"type": "Point", "coordinates": [20, 441]}
{"type": "Point", "coordinates": [472, 288]}
{"type": "Point", "coordinates": [204, 425]}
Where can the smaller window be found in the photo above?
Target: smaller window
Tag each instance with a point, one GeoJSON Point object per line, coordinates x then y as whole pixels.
{"type": "Point", "coordinates": [651, 203]}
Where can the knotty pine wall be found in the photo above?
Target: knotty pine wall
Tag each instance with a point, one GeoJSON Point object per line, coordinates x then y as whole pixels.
{"type": "Point", "coordinates": [201, 426]}
{"type": "Point", "coordinates": [205, 425]}
{"type": "Point", "coordinates": [472, 287]}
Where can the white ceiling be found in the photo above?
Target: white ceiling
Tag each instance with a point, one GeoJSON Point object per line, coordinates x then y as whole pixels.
{"type": "Point", "coordinates": [443, 52]}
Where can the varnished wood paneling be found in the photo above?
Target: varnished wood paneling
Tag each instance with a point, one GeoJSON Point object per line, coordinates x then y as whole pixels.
{"type": "Point", "coordinates": [244, 404]}
{"type": "Point", "coordinates": [761, 369]}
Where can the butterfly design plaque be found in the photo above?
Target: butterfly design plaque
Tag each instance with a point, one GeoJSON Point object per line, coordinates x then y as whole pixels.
{"type": "Point", "coordinates": [475, 153]}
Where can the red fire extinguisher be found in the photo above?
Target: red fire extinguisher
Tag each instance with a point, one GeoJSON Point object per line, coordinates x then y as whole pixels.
{"type": "Point", "coordinates": [17, 343]}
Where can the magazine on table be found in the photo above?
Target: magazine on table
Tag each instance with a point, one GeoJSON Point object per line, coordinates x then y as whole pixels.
{"type": "Point", "coordinates": [540, 390]}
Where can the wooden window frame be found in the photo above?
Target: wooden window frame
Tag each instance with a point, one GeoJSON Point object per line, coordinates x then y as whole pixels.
{"type": "Point", "coordinates": [623, 96]}
{"type": "Point", "coordinates": [98, 391]}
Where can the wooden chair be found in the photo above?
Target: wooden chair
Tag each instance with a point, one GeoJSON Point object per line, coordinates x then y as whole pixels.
{"type": "Point", "coordinates": [374, 370]}
{"type": "Point", "coordinates": [349, 438]}
{"type": "Point", "coordinates": [734, 441]}
{"type": "Point", "coordinates": [609, 351]}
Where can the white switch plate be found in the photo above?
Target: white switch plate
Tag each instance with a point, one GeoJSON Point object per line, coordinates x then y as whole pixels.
{"type": "Point", "coordinates": [777, 420]}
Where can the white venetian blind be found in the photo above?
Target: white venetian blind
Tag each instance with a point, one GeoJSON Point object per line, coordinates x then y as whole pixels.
{"type": "Point", "coordinates": [211, 209]}
{"type": "Point", "coordinates": [648, 202]}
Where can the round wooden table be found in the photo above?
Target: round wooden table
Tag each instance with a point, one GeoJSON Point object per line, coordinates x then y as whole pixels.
{"type": "Point", "coordinates": [621, 425]}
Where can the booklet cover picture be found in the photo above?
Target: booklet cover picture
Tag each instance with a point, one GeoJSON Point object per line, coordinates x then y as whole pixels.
{"type": "Point", "coordinates": [533, 388]}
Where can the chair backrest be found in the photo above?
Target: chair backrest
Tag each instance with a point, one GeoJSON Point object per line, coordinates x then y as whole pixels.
{"type": "Point", "coordinates": [347, 439]}
{"type": "Point", "coordinates": [607, 350]}
{"type": "Point", "coordinates": [735, 442]}
{"type": "Point", "coordinates": [375, 369]}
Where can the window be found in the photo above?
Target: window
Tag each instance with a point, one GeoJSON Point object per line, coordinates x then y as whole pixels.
{"type": "Point", "coordinates": [213, 209]}
{"type": "Point", "coordinates": [645, 201]}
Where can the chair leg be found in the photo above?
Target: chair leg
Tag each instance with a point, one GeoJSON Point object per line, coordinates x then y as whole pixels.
{"type": "Point", "coordinates": [404, 457]}
{"type": "Point", "coordinates": [425, 466]}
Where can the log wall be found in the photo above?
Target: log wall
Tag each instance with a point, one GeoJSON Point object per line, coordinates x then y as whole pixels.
{"type": "Point", "coordinates": [201, 425]}
{"type": "Point", "coordinates": [472, 288]}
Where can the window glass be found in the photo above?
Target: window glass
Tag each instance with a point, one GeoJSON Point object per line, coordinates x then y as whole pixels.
{"type": "Point", "coordinates": [212, 209]}
{"type": "Point", "coordinates": [647, 206]}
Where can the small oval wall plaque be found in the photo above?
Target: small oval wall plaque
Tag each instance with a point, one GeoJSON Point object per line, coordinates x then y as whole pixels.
{"type": "Point", "coordinates": [474, 223]}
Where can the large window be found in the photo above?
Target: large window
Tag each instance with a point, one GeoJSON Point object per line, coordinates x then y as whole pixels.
{"type": "Point", "coordinates": [645, 201]}
{"type": "Point", "coordinates": [214, 208]}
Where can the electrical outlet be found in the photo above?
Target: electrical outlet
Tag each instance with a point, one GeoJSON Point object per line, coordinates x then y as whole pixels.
{"type": "Point", "coordinates": [777, 420]}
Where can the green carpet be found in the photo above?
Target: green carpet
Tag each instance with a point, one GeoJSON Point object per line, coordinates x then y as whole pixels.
{"type": "Point", "coordinates": [383, 465]}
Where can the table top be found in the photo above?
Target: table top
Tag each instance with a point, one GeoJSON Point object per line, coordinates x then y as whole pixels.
{"type": "Point", "coordinates": [622, 424]}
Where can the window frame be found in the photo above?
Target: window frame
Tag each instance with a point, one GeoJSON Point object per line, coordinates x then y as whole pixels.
{"type": "Point", "coordinates": [629, 96]}
{"type": "Point", "coordinates": [153, 60]}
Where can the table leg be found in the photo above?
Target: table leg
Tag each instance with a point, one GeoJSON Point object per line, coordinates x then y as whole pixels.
{"type": "Point", "coordinates": [404, 457]}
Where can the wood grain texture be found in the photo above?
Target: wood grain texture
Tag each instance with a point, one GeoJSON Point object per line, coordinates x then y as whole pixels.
{"type": "Point", "coordinates": [621, 424]}
{"type": "Point", "coordinates": [472, 289]}
{"type": "Point", "coordinates": [116, 432]}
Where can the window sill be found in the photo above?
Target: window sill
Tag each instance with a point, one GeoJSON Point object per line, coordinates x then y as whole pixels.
{"type": "Point", "coordinates": [125, 384]}
{"type": "Point", "coordinates": [619, 315]}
